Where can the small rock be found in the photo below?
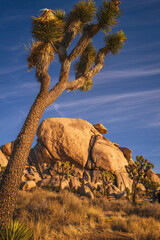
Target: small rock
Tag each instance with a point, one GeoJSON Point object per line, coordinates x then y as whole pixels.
{"type": "Point", "coordinates": [8, 148]}
{"type": "Point", "coordinates": [85, 191]}
{"type": "Point", "coordinates": [3, 159]}
{"type": "Point", "coordinates": [74, 183]}
{"type": "Point", "coordinates": [100, 128]}
{"type": "Point", "coordinates": [87, 176]}
{"type": "Point", "coordinates": [28, 185]}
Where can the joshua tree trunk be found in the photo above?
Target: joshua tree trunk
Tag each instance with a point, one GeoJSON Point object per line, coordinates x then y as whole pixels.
{"type": "Point", "coordinates": [134, 193]}
{"type": "Point", "coordinates": [12, 177]}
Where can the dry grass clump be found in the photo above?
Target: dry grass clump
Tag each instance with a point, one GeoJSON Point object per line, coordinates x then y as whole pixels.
{"type": "Point", "coordinates": [144, 228]}
{"type": "Point", "coordinates": [65, 215]}
{"type": "Point", "coordinates": [141, 228]}
{"type": "Point", "coordinates": [52, 214]}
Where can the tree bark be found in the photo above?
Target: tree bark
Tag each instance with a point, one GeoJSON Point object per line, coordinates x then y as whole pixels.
{"type": "Point", "coordinates": [11, 180]}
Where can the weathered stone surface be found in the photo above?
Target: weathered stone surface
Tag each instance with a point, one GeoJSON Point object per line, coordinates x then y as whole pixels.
{"type": "Point", "coordinates": [96, 176]}
{"type": "Point", "coordinates": [28, 185]}
{"type": "Point", "coordinates": [42, 154]}
{"type": "Point", "coordinates": [127, 153]}
{"type": "Point", "coordinates": [74, 183]}
{"type": "Point", "coordinates": [87, 175]}
{"type": "Point", "coordinates": [55, 182]}
{"type": "Point", "coordinates": [44, 183]}
{"type": "Point", "coordinates": [77, 172]}
{"type": "Point", "coordinates": [8, 148]}
{"type": "Point", "coordinates": [66, 139]}
{"type": "Point", "coordinates": [92, 186]}
{"type": "Point", "coordinates": [107, 156]}
{"type": "Point", "coordinates": [30, 174]}
{"type": "Point", "coordinates": [3, 159]}
{"type": "Point", "coordinates": [151, 175]}
{"type": "Point", "coordinates": [77, 141]}
{"type": "Point", "coordinates": [65, 184]}
{"type": "Point", "coordinates": [114, 192]}
{"type": "Point", "coordinates": [123, 180]}
{"type": "Point", "coordinates": [86, 191]}
{"type": "Point", "coordinates": [100, 128]}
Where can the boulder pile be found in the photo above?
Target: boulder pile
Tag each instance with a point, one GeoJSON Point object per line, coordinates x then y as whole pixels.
{"type": "Point", "coordinates": [82, 144]}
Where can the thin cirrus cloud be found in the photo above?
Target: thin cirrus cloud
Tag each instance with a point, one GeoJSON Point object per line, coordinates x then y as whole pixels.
{"type": "Point", "coordinates": [138, 97]}
{"type": "Point", "coordinates": [128, 73]}
{"type": "Point", "coordinates": [139, 107]}
{"type": "Point", "coordinates": [11, 69]}
{"type": "Point", "coordinates": [23, 89]}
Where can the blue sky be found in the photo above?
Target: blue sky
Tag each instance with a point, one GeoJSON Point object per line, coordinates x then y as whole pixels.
{"type": "Point", "coordinates": [126, 93]}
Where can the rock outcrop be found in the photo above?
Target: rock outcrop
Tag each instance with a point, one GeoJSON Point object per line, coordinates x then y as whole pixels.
{"type": "Point", "coordinates": [77, 141]}
{"type": "Point", "coordinates": [80, 143]}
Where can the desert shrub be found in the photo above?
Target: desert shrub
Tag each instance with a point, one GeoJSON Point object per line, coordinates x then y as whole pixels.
{"type": "Point", "coordinates": [96, 214]}
{"type": "Point", "coordinates": [120, 225]}
{"type": "Point", "coordinates": [144, 228]}
{"type": "Point", "coordinates": [141, 228]}
{"type": "Point", "coordinates": [51, 214]}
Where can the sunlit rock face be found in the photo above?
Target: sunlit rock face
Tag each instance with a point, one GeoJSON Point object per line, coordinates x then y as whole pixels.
{"type": "Point", "coordinates": [80, 143]}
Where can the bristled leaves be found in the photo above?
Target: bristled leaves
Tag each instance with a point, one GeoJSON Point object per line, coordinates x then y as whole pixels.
{"type": "Point", "coordinates": [17, 231]}
{"type": "Point", "coordinates": [83, 11]}
{"type": "Point", "coordinates": [60, 14]}
{"type": "Point", "coordinates": [115, 41]}
{"type": "Point", "coordinates": [40, 51]}
{"type": "Point", "coordinates": [84, 64]}
{"type": "Point", "coordinates": [48, 27]}
{"type": "Point", "coordinates": [108, 15]}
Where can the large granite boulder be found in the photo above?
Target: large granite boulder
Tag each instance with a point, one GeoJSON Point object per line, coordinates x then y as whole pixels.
{"type": "Point", "coordinates": [65, 139]}
{"type": "Point", "coordinates": [77, 141]}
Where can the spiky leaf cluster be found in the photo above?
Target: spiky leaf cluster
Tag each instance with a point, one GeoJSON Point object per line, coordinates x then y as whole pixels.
{"type": "Point", "coordinates": [60, 14]}
{"type": "Point", "coordinates": [139, 169]}
{"type": "Point", "coordinates": [108, 15]}
{"type": "Point", "coordinates": [40, 52]}
{"type": "Point", "coordinates": [83, 11]}
{"type": "Point", "coordinates": [47, 27]}
{"type": "Point", "coordinates": [16, 231]}
{"type": "Point", "coordinates": [115, 41]}
{"type": "Point", "coordinates": [87, 86]}
{"type": "Point", "coordinates": [84, 64]}
{"type": "Point", "coordinates": [107, 178]}
{"type": "Point", "coordinates": [150, 185]}
{"type": "Point", "coordinates": [64, 168]}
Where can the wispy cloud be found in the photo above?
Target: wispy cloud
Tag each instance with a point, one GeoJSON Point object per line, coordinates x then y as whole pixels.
{"type": "Point", "coordinates": [11, 69]}
{"type": "Point", "coordinates": [20, 90]}
{"type": "Point", "coordinates": [147, 45]}
{"type": "Point", "coordinates": [92, 101]}
{"type": "Point", "coordinates": [16, 47]}
{"type": "Point", "coordinates": [139, 107]}
{"type": "Point", "coordinates": [126, 73]}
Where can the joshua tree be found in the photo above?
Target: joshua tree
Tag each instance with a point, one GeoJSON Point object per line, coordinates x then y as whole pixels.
{"type": "Point", "coordinates": [63, 169]}
{"type": "Point", "coordinates": [137, 172]}
{"type": "Point", "coordinates": [53, 33]}
{"type": "Point", "coordinates": [151, 187]}
{"type": "Point", "coordinates": [107, 179]}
